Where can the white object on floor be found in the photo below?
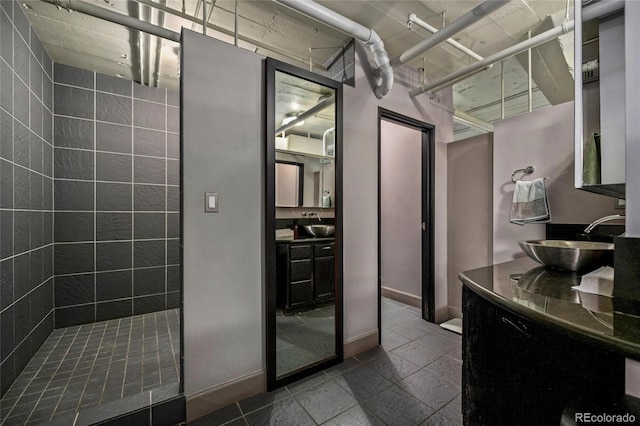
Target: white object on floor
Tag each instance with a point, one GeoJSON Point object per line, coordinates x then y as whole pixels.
{"type": "Point", "coordinates": [454, 325]}
{"type": "Point", "coordinates": [599, 281]}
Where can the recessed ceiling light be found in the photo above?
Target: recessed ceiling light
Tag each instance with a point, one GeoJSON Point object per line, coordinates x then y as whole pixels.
{"type": "Point", "coordinates": [123, 64]}
{"type": "Point", "coordinates": [124, 56]}
{"type": "Point", "coordinates": [27, 6]}
{"type": "Point", "coordinates": [119, 75]}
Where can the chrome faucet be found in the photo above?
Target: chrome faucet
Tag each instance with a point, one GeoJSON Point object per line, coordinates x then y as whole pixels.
{"type": "Point", "coordinates": [310, 214]}
{"type": "Point", "coordinates": [597, 222]}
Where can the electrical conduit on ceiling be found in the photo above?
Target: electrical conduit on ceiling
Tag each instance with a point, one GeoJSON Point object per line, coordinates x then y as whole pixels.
{"type": "Point", "coordinates": [466, 20]}
{"type": "Point", "coordinates": [355, 30]}
{"type": "Point", "coordinates": [413, 19]}
{"type": "Point", "coordinates": [592, 12]}
{"type": "Point", "coordinates": [116, 18]}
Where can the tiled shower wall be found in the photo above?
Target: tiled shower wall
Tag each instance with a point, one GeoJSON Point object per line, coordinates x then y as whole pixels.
{"type": "Point", "coordinates": [116, 224]}
{"type": "Point", "coordinates": [26, 206]}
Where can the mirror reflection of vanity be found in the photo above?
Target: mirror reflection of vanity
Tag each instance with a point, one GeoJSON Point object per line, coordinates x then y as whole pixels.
{"type": "Point", "coordinates": [304, 293]}
{"type": "Point", "coordinates": [599, 101]}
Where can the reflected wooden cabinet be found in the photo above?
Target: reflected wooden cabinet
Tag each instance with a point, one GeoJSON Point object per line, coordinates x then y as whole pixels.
{"type": "Point", "coordinates": [305, 273]}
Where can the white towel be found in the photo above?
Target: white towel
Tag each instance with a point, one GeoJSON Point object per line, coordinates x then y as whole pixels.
{"type": "Point", "coordinates": [599, 281]}
{"type": "Point", "coordinates": [530, 203]}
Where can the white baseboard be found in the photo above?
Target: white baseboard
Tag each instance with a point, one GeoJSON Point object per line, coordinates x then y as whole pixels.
{"type": "Point", "coordinates": [360, 343]}
{"type": "Point", "coordinates": [203, 403]}
{"type": "Point", "coordinates": [402, 297]}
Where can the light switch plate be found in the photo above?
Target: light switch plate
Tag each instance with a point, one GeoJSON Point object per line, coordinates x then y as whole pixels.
{"type": "Point", "coordinates": [211, 202]}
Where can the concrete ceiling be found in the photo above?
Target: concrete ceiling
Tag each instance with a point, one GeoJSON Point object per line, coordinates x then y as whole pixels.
{"type": "Point", "coordinates": [268, 28]}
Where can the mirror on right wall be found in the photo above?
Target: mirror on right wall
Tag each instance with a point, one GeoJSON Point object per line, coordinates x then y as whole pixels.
{"type": "Point", "coordinates": [599, 70]}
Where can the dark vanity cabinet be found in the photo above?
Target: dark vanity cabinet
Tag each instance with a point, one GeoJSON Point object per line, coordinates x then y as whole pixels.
{"type": "Point", "coordinates": [519, 372]}
{"type": "Point", "coordinates": [305, 272]}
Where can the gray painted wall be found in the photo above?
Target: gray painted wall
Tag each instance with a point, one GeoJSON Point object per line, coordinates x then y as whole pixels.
{"type": "Point", "coordinates": [360, 199]}
{"type": "Point", "coordinates": [470, 211]}
{"type": "Point", "coordinates": [223, 117]}
{"type": "Point", "coordinates": [401, 208]}
{"type": "Point", "coordinates": [544, 139]}
{"type": "Point", "coordinates": [222, 113]}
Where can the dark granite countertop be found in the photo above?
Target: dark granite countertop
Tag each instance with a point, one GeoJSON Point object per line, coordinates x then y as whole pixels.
{"type": "Point", "coordinates": [534, 292]}
{"type": "Point", "coordinates": [305, 240]}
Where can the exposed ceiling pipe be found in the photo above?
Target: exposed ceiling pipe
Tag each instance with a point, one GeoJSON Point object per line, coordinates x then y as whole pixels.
{"type": "Point", "coordinates": [219, 29]}
{"type": "Point", "coordinates": [594, 11]}
{"type": "Point", "coordinates": [354, 29]}
{"type": "Point", "coordinates": [116, 18]}
{"type": "Point", "coordinates": [472, 121]}
{"type": "Point", "coordinates": [466, 20]}
{"type": "Point", "coordinates": [413, 19]}
{"type": "Point", "coordinates": [156, 76]}
{"type": "Point", "coordinates": [323, 104]}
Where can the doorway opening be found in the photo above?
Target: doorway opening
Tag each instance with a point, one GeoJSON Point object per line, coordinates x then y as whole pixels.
{"type": "Point", "coordinates": [405, 218]}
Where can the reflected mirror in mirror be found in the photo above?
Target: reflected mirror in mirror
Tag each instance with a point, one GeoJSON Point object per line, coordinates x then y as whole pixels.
{"type": "Point", "coordinates": [305, 134]}
{"type": "Point", "coordinates": [305, 176]}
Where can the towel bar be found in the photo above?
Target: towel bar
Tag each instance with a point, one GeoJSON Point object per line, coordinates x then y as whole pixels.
{"type": "Point", "coordinates": [525, 172]}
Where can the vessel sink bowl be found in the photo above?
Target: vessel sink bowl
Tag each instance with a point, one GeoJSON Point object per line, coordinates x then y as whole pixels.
{"type": "Point", "coordinates": [576, 256]}
{"type": "Point", "coordinates": [320, 231]}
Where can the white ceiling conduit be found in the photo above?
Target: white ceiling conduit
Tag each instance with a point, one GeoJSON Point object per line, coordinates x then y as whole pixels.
{"type": "Point", "coordinates": [466, 20]}
{"type": "Point", "coordinates": [321, 105]}
{"type": "Point", "coordinates": [470, 120]}
{"type": "Point", "coordinates": [116, 18]}
{"type": "Point", "coordinates": [594, 11]}
{"type": "Point", "coordinates": [358, 31]}
{"type": "Point", "coordinates": [413, 19]}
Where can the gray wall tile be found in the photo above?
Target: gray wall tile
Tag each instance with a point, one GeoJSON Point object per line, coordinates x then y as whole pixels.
{"type": "Point", "coordinates": [74, 290]}
{"type": "Point", "coordinates": [73, 101]}
{"type": "Point", "coordinates": [114, 285]}
{"type": "Point", "coordinates": [113, 255]}
{"type": "Point", "coordinates": [73, 76]}
{"type": "Point", "coordinates": [114, 226]}
{"type": "Point", "coordinates": [73, 164]}
{"type": "Point", "coordinates": [149, 170]}
{"type": "Point", "coordinates": [113, 196]}
{"type": "Point", "coordinates": [26, 292]}
{"type": "Point", "coordinates": [113, 108]}
{"type": "Point", "coordinates": [113, 167]}
{"type": "Point", "coordinates": [149, 115]}
{"type": "Point", "coordinates": [115, 85]}
{"type": "Point", "coordinates": [113, 137]}
{"type": "Point", "coordinates": [73, 195]}
{"type": "Point", "coordinates": [74, 226]}
{"type": "Point", "coordinates": [73, 132]}
{"type": "Point", "coordinates": [149, 226]}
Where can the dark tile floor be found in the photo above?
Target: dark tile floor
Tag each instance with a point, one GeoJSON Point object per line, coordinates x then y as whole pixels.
{"type": "Point", "coordinates": [96, 365]}
{"type": "Point", "coordinates": [413, 379]}
{"type": "Point", "coordinates": [304, 338]}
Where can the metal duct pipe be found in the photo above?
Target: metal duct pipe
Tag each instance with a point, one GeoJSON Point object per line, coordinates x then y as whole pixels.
{"type": "Point", "coordinates": [323, 104]}
{"type": "Point", "coordinates": [116, 18]}
{"type": "Point", "coordinates": [413, 19]}
{"type": "Point", "coordinates": [354, 29]}
{"type": "Point", "coordinates": [466, 20]}
{"type": "Point", "coordinates": [470, 120]}
{"type": "Point", "coordinates": [592, 12]}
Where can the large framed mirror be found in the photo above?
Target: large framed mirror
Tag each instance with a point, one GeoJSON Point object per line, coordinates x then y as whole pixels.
{"type": "Point", "coordinates": [600, 133]}
{"type": "Point", "coordinates": [303, 223]}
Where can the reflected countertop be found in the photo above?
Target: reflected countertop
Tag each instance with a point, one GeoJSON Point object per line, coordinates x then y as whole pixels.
{"type": "Point", "coordinates": [304, 240]}
{"type": "Point", "coordinates": [545, 296]}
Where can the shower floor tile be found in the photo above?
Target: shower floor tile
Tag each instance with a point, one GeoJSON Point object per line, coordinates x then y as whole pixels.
{"type": "Point", "coordinates": [87, 366]}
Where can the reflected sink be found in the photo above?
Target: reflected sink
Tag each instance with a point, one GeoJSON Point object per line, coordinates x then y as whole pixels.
{"type": "Point", "coordinates": [320, 231]}
{"type": "Point", "coordinates": [576, 256]}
